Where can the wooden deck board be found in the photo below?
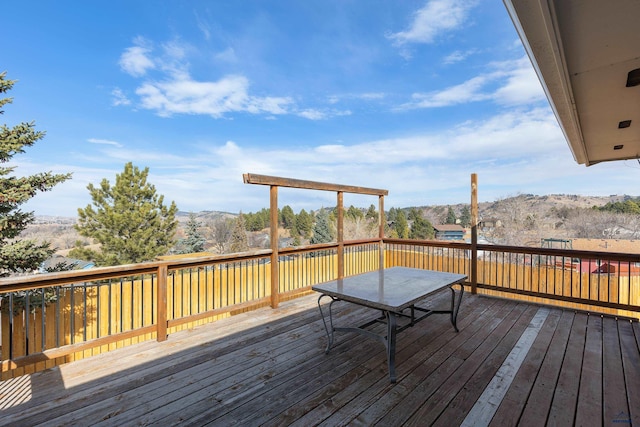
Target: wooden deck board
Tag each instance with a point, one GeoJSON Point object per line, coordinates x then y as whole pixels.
{"type": "Point", "coordinates": [589, 407]}
{"type": "Point", "coordinates": [268, 367]}
{"type": "Point", "coordinates": [615, 407]}
{"type": "Point", "coordinates": [566, 392]}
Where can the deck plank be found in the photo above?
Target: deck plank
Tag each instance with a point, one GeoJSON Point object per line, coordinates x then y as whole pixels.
{"type": "Point", "coordinates": [615, 407]}
{"type": "Point", "coordinates": [268, 367]}
{"type": "Point", "coordinates": [565, 396]}
{"type": "Point", "coordinates": [631, 365]}
{"type": "Point", "coordinates": [589, 408]}
{"type": "Point", "coordinates": [539, 401]}
{"type": "Point", "coordinates": [510, 409]}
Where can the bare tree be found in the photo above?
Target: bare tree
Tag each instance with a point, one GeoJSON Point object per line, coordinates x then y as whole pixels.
{"type": "Point", "coordinates": [218, 232]}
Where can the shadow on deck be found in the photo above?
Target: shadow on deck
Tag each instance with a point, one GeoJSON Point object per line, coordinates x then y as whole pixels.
{"type": "Point", "coordinates": [511, 363]}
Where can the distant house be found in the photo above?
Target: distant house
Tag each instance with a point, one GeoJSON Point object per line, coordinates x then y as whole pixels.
{"type": "Point", "coordinates": [76, 264]}
{"type": "Point", "coordinates": [449, 232]}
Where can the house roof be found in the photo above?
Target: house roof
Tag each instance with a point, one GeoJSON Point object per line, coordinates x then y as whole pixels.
{"type": "Point", "coordinates": [587, 57]}
{"type": "Point", "coordinates": [607, 245]}
{"type": "Point", "coordinates": [448, 227]}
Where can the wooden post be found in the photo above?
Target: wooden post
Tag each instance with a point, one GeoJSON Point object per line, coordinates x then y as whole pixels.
{"type": "Point", "coordinates": [161, 303]}
{"type": "Point", "coordinates": [340, 205]}
{"type": "Point", "coordinates": [275, 286]}
{"type": "Point", "coordinates": [381, 223]}
{"type": "Point", "coordinates": [474, 233]}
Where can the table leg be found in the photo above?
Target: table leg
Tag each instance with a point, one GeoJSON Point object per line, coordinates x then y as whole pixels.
{"type": "Point", "coordinates": [327, 327]}
{"type": "Point", "coordinates": [455, 307]}
{"type": "Point", "coordinates": [391, 344]}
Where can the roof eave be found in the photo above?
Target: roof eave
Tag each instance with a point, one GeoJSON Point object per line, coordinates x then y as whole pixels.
{"type": "Point", "coordinates": [537, 27]}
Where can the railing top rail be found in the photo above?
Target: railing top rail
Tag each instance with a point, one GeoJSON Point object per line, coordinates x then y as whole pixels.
{"type": "Point", "coordinates": [567, 253]}
{"type": "Point", "coordinates": [19, 283]}
{"type": "Point", "coordinates": [33, 281]}
{"type": "Point", "coordinates": [322, 246]}
{"type": "Point", "coordinates": [436, 243]}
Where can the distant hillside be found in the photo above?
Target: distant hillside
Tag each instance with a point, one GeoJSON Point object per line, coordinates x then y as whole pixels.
{"type": "Point", "coordinates": [526, 218]}
{"type": "Point", "coordinates": [539, 205]}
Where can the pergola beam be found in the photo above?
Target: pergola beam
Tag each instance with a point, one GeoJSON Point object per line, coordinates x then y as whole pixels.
{"type": "Point", "coordinates": [250, 178]}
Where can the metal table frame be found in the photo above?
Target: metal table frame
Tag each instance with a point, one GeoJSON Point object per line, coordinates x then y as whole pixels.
{"type": "Point", "coordinates": [390, 314]}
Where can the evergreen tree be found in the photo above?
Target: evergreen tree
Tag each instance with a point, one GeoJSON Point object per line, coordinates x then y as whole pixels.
{"type": "Point", "coordinates": [257, 221]}
{"type": "Point", "coordinates": [414, 214]}
{"type": "Point", "coordinates": [401, 226]}
{"type": "Point", "coordinates": [16, 255]}
{"type": "Point", "coordinates": [239, 239]}
{"type": "Point", "coordinates": [354, 213]}
{"type": "Point", "coordinates": [287, 217]}
{"type": "Point", "coordinates": [194, 242]}
{"type": "Point", "coordinates": [372, 213]}
{"type": "Point", "coordinates": [392, 215]}
{"type": "Point", "coordinates": [451, 216]}
{"type": "Point", "coordinates": [421, 228]}
{"type": "Point", "coordinates": [465, 217]}
{"type": "Point", "coordinates": [129, 220]}
{"type": "Point", "coordinates": [321, 230]}
{"type": "Point", "coordinates": [304, 224]}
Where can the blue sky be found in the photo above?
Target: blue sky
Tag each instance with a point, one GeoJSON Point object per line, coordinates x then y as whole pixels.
{"type": "Point", "coordinates": [410, 96]}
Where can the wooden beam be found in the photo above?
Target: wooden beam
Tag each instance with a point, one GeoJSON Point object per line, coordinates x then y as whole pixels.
{"type": "Point", "coordinates": [474, 233]}
{"type": "Point", "coordinates": [273, 233]}
{"type": "Point", "coordinates": [340, 203]}
{"type": "Point", "coordinates": [163, 273]}
{"type": "Point", "coordinates": [381, 224]}
{"type": "Point", "coordinates": [250, 178]}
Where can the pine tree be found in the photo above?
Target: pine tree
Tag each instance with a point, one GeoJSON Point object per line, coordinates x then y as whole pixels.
{"type": "Point", "coordinates": [400, 225]}
{"type": "Point", "coordinates": [129, 220]}
{"type": "Point", "coordinates": [392, 214]}
{"type": "Point", "coordinates": [465, 217]}
{"type": "Point", "coordinates": [194, 242]}
{"type": "Point", "coordinates": [372, 213]}
{"type": "Point", "coordinates": [16, 255]}
{"type": "Point", "coordinates": [321, 230]}
{"type": "Point", "coordinates": [451, 216]}
{"type": "Point", "coordinates": [421, 228]}
{"type": "Point", "coordinates": [287, 217]}
{"type": "Point", "coordinates": [304, 224]}
{"type": "Point", "coordinates": [239, 240]}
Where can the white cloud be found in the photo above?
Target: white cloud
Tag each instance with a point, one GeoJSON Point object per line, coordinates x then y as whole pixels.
{"type": "Point", "coordinates": [435, 18]}
{"type": "Point", "coordinates": [521, 87]}
{"type": "Point", "coordinates": [203, 26]}
{"type": "Point", "coordinates": [227, 55]}
{"type": "Point", "coordinates": [119, 98]}
{"type": "Point", "coordinates": [469, 91]}
{"type": "Point", "coordinates": [312, 114]}
{"type": "Point", "coordinates": [526, 146]}
{"type": "Point", "coordinates": [506, 83]}
{"type": "Point", "coordinates": [457, 56]}
{"type": "Point", "coordinates": [136, 60]}
{"type": "Point", "coordinates": [104, 142]}
{"type": "Point", "coordinates": [177, 92]}
{"type": "Point", "coordinates": [187, 96]}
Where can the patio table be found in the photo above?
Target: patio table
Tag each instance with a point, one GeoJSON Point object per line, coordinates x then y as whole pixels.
{"type": "Point", "coordinates": [395, 292]}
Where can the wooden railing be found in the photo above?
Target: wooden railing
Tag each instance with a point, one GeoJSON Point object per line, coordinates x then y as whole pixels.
{"type": "Point", "coordinates": [55, 318]}
{"type": "Point", "coordinates": [603, 282]}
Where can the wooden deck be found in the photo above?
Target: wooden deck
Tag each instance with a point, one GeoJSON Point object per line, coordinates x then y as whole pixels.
{"type": "Point", "coordinates": [511, 363]}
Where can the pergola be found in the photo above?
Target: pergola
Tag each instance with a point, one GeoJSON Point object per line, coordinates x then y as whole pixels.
{"type": "Point", "coordinates": [275, 182]}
